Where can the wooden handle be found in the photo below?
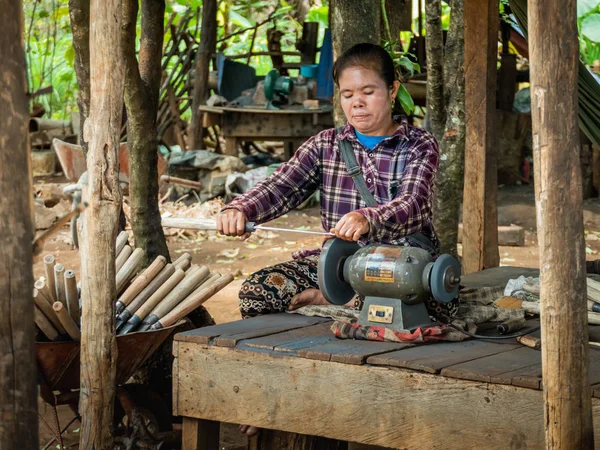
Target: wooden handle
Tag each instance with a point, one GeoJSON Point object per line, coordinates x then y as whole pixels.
{"type": "Point", "coordinates": [44, 291]}
{"type": "Point", "coordinates": [46, 309]}
{"type": "Point", "coordinates": [142, 281]}
{"type": "Point", "coordinates": [59, 280]}
{"type": "Point", "coordinates": [189, 223]}
{"type": "Point", "coordinates": [44, 324]}
{"type": "Point", "coordinates": [530, 341]}
{"type": "Point", "coordinates": [129, 269]}
{"type": "Point", "coordinates": [181, 291]}
{"type": "Point", "coordinates": [66, 321]}
{"type": "Point", "coordinates": [151, 288]}
{"type": "Point", "coordinates": [160, 293]}
{"type": "Point", "coordinates": [197, 298]}
{"type": "Point", "coordinates": [72, 296]}
{"type": "Point", "coordinates": [122, 257]}
{"type": "Point", "coordinates": [182, 181]}
{"type": "Point", "coordinates": [122, 240]}
{"type": "Point", "coordinates": [49, 270]}
{"type": "Point", "coordinates": [185, 257]}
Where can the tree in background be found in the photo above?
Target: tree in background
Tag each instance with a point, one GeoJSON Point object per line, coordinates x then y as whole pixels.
{"type": "Point", "coordinates": [142, 84]}
{"type": "Point", "coordinates": [446, 113]}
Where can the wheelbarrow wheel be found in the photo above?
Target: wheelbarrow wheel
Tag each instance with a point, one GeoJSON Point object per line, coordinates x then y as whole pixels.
{"type": "Point", "coordinates": [152, 408]}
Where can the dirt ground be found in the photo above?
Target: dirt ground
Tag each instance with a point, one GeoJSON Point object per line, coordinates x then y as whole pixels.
{"type": "Point", "coordinates": [516, 205]}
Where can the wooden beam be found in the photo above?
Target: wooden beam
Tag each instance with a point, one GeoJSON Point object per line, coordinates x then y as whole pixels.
{"type": "Point", "coordinates": [303, 396]}
{"type": "Point", "coordinates": [18, 392]}
{"type": "Point", "coordinates": [480, 213]}
{"type": "Point", "coordinates": [200, 434]}
{"type": "Point", "coordinates": [554, 68]}
{"type": "Point", "coordinates": [98, 290]}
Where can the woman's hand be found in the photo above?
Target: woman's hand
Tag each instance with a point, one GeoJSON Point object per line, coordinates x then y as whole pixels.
{"type": "Point", "coordinates": [232, 222]}
{"type": "Point", "coordinates": [351, 227]}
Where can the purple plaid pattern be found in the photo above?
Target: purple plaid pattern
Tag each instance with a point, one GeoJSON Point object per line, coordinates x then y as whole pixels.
{"type": "Point", "coordinates": [400, 172]}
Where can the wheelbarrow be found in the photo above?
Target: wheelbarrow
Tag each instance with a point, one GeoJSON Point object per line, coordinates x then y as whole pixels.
{"type": "Point", "coordinates": [141, 419]}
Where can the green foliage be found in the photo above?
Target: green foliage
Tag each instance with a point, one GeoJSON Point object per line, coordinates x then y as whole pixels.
{"type": "Point", "coordinates": [50, 54]}
{"type": "Point", "coordinates": [588, 23]}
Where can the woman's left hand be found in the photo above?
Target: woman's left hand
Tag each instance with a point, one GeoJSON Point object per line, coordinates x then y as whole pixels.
{"type": "Point", "coordinates": [351, 227]}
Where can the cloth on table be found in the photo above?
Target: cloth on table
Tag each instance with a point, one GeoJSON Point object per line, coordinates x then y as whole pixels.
{"type": "Point", "coordinates": [476, 306]}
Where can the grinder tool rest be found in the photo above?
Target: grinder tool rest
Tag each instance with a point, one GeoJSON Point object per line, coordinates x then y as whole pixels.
{"type": "Point", "coordinates": [395, 281]}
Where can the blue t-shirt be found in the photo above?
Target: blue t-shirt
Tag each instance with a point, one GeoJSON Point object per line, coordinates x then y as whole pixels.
{"type": "Point", "coordinates": [369, 141]}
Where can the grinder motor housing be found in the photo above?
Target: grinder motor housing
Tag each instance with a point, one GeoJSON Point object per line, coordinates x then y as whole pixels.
{"type": "Point", "coordinates": [395, 281]}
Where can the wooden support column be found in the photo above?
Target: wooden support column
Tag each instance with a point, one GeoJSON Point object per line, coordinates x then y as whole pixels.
{"type": "Point", "coordinates": [554, 69]}
{"type": "Point", "coordinates": [480, 211]}
{"type": "Point", "coordinates": [208, 45]}
{"type": "Point", "coordinates": [98, 290]}
{"type": "Point", "coordinates": [18, 393]}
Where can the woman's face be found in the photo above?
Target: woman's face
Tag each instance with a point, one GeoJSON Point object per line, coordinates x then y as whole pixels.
{"type": "Point", "coordinates": [367, 100]}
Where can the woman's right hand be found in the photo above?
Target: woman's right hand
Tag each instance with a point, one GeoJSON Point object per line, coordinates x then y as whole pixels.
{"type": "Point", "coordinates": [232, 222]}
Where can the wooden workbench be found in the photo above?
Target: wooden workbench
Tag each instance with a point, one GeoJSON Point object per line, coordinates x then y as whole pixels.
{"type": "Point", "coordinates": [292, 126]}
{"type": "Point", "coordinates": [288, 372]}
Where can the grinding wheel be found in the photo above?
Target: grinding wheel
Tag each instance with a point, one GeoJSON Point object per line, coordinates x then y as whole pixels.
{"type": "Point", "coordinates": [331, 271]}
{"type": "Point", "coordinates": [444, 279]}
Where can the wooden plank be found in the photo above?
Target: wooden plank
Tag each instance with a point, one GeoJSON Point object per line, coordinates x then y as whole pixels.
{"type": "Point", "coordinates": [480, 215]}
{"type": "Point", "coordinates": [492, 369]}
{"type": "Point", "coordinates": [498, 276]}
{"type": "Point", "coordinates": [333, 400]}
{"type": "Point", "coordinates": [229, 334]}
{"type": "Point", "coordinates": [291, 341]}
{"type": "Point", "coordinates": [434, 357]}
{"type": "Point", "coordinates": [198, 434]}
{"type": "Point", "coordinates": [259, 125]}
{"type": "Point", "coordinates": [349, 351]}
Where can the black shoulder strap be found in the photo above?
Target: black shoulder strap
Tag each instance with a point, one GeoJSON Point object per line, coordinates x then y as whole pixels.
{"type": "Point", "coordinates": [354, 171]}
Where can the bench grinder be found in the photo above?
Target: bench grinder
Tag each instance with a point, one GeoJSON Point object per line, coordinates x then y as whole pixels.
{"type": "Point", "coordinates": [395, 281]}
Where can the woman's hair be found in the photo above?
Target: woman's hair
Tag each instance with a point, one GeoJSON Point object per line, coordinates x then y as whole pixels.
{"type": "Point", "coordinates": [369, 56]}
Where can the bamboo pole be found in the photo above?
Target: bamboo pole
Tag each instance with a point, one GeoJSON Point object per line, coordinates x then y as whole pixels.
{"type": "Point", "coordinates": [59, 280]}
{"type": "Point", "coordinates": [182, 259]}
{"type": "Point", "coordinates": [213, 285]}
{"type": "Point", "coordinates": [49, 270]}
{"type": "Point", "coordinates": [44, 324]}
{"type": "Point", "coordinates": [48, 311]}
{"type": "Point", "coordinates": [44, 291]}
{"type": "Point", "coordinates": [66, 321]}
{"type": "Point", "coordinates": [123, 256]}
{"type": "Point", "coordinates": [72, 295]}
{"type": "Point", "coordinates": [554, 69]}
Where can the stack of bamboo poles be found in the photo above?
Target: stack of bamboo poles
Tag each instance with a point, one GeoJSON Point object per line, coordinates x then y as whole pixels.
{"type": "Point", "coordinates": [150, 299]}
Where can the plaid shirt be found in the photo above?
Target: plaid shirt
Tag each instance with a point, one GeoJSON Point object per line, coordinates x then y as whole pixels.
{"type": "Point", "coordinates": [399, 172]}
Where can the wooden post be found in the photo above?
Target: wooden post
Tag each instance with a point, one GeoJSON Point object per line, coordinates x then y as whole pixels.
{"type": "Point", "coordinates": [554, 69]}
{"type": "Point", "coordinates": [18, 393]}
{"type": "Point", "coordinates": [102, 130]}
{"type": "Point", "coordinates": [208, 44]}
{"type": "Point", "coordinates": [480, 212]}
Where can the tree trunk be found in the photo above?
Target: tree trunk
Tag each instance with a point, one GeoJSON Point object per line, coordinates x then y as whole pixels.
{"type": "Point", "coordinates": [450, 176]}
{"type": "Point", "coordinates": [208, 44]}
{"type": "Point", "coordinates": [480, 213]}
{"type": "Point", "coordinates": [142, 84]}
{"type": "Point", "coordinates": [554, 68]}
{"type": "Point", "coordinates": [98, 290]}
{"type": "Point", "coordinates": [18, 392]}
{"type": "Point", "coordinates": [79, 12]}
{"type": "Point", "coordinates": [436, 107]}
{"type": "Point", "coordinates": [351, 23]}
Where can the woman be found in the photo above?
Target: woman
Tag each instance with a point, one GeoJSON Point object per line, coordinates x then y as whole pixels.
{"type": "Point", "coordinates": [398, 163]}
